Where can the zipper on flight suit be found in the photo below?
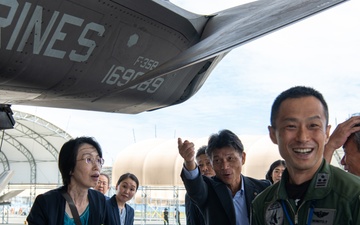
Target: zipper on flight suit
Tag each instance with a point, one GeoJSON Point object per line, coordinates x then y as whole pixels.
{"type": "Point", "coordinates": [296, 215]}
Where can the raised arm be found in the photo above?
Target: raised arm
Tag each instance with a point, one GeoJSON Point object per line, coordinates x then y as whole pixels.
{"type": "Point", "coordinates": [187, 152]}
{"type": "Point", "coordinates": [340, 135]}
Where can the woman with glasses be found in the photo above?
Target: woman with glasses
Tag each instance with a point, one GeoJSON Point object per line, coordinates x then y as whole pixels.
{"type": "Point", "coordinates": [121, 213]}
{"type": "Point", "coordinates": [80, 162]}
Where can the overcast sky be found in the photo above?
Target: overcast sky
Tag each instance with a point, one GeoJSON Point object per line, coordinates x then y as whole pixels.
{"type": "Point", "coordinates": [322, 52]}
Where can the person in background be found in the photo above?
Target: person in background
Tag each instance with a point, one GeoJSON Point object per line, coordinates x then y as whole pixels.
{"type": "Point", "coordinates": [118, 211]}
{"type": "Point", "coordinates": [275, 171]}
{"type": "Point", "coordinates": [177, 216]}
{"type": "Point", "coordinates": [193, 214]}
{"type": "Point", "coordinates": [346, 135]}
{"type": "Point", "coordinates": [80, 162]}
{"type": "Point", "coordinates": [310, 191]}
{"type": "Point", "coordinates": [103, 184]}
{"type": "Point", "coordinates": [225, 198]}
{"type": "Point", "coordinates": [204, 163]}
{"type": "Point", "coordinates": [166, 216]}
{"type": "Point", "coordinates": [351, 157]}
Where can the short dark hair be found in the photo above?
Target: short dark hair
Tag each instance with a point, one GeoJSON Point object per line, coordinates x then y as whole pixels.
{"type": "Point", "coordinates": [201, 151]}
{"type": "Point", "coordinates": [68, 154]}
{"type": "Point", "coordinates": [131, 176]}
{"type": "Point", "coordinates": [297, 92]}
{"type": "Point", "coordinates": [272, 167]}
{"type": "Point", "coordinates": [224, 138]}
{"type": "Point", "coordinates": [356, 138]}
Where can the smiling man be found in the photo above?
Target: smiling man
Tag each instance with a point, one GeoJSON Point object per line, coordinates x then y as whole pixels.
{"type": "Point", "coordinates": [310, 191]}
{"type": "Point", "coordinates": [225, 198]}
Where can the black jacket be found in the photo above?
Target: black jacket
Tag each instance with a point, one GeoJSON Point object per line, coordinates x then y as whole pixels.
{"type": "Point", "coordinates": [214, 198]}
{"type": "Point", "coordinates": [49, 208]}
{"type": "Point", "coordinates": [113, 212]}
{"type": "Point", "coordinates": [193, 214]}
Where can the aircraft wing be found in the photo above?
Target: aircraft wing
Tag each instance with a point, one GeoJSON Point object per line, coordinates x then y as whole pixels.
{"type": "Point", "coordinates": [5, 178]}
{"type": "Point", "coordinates": [125, 56]}
{"type": "Point", "coordinates": [6, 197]}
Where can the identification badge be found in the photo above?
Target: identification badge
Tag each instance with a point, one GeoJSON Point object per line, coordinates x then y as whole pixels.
{"type": "Point", "coordinates": [323, 216]}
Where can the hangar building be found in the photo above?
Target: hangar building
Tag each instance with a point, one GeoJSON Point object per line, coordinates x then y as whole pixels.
{"type": "Point", "coordinates": [31, 150]}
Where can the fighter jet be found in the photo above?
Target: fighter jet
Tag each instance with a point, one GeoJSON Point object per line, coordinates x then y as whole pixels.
{"type": "Point", "coordinates": [125, 56]}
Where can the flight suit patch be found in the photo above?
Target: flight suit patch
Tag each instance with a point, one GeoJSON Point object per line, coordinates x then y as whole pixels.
{"type": "Point", "coordinates": [323, 216]}
{"type": "Point", "coordinates": [322, 180]}
{"type": "Point", "coordinates": [274, 214]}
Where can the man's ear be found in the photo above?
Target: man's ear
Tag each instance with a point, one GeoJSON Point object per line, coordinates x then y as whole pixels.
{"type": "Point", "coordinates": [272, 134]}
{"type": "Point", "coordinates": [327, 132]}
{"type": "Point", "coordinates": [243, 158]}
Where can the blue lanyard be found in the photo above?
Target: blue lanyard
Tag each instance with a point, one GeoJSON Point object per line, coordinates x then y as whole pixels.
{"type": "Point", "coordinates": [288, 216]}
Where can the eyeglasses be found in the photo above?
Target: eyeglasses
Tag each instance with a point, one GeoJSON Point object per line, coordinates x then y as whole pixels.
{"type": "Point", "coordinates": [92, 160]}
{"type": "Point", "coordinates": [102, 183]}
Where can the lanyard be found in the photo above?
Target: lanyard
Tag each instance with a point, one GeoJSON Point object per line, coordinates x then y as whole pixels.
{"type": "Point", "coordinates": [288, 216]}
{"type": "Point", "coordinates": [72, 206]}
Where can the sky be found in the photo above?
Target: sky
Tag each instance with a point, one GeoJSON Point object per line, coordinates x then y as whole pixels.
{"type": "Point", "coordinates": [322, 52]}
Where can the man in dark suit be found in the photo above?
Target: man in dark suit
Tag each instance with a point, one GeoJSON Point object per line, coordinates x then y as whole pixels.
{"type": "Point", "coordinates": [225, 198]}
{"type": "Point", "coordinates": [193, 214]}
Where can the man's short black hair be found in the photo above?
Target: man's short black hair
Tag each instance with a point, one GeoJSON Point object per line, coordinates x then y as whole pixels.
{"type": "Point", "coordinates": [297, 92]}
{"type": "Point", "coordinates": [224, 138]}
{"type": "Point", "coordinates": [356, 138]}
{"type": "Point", "coordinates": [201, 151]}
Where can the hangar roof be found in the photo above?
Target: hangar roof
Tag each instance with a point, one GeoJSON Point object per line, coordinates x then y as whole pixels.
{"type": "Point", "coordinates": [31, 150]}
